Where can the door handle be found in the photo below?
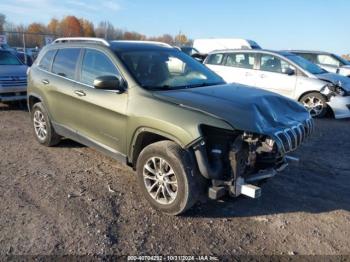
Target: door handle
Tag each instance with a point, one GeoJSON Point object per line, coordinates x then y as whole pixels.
{"type": "Point", "coordinates": [45, 81]}
{"type": "Point", "coordinates": [248, 74]}
{"type": "Point", "coordinates": [262, 76]}
{"type": "Point", "coordinates": [79, 93]}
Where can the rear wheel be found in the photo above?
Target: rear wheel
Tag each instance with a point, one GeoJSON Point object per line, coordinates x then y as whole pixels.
{"type": "Point", "coordinates": [167, 177]}
{"type": "Point", "coordinates": [315, 103]}
{"type": "Point", "coordinates": [43, 130]}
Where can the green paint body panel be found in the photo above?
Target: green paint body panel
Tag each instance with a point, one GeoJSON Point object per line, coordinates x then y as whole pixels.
{"type": "Point", "coordinates": [114, 120]}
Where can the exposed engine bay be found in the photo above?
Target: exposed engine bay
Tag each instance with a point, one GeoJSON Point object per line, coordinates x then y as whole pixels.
{"type": "Point", "coordinates": [231, 159]}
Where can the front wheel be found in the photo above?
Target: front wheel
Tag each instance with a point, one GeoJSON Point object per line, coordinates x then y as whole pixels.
{"type": "Point", "coordinates": [315, 103]}
{"type": "Point", "coordinates": [167, 177]}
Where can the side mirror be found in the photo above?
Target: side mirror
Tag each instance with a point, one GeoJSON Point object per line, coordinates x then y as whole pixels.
{"type": "Point", "coordinates": [198, 57]}
{"type": "Point", "coordinates": [109, 83]}
{"type": "Point", "coordinates": [290, 71]}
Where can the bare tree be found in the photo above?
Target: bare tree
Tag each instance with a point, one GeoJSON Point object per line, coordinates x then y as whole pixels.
{"type": "Point", "coordinates": [2, 22]}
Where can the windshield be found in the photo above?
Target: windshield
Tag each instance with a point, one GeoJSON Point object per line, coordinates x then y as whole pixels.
{"type": "Point", "coordinates": [306, 65]}
{"type": "Point", "coordinates": [6, 58]}
{"type": "Point", "coordinates": [167, 70]}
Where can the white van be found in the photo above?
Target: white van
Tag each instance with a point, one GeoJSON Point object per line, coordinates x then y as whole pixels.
{"type": "Point", "coordinates": [205, 46]}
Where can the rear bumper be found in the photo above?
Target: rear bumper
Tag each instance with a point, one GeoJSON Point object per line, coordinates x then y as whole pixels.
{"type": "Point", "coordinates": [340, 106]}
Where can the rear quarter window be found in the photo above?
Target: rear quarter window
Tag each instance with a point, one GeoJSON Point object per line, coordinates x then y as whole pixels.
{"type": "Point", "coordinates": [215, 59]}
{"type": "Point", "coordinates": [65, 62]}
{"type": "Point", "coordinates": [46, 60]}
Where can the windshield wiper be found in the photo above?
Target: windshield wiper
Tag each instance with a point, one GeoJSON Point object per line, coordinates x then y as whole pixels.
{"type": "Point", "coordinates": [204, 84]}
{"type": "Point", "coordinates": [167, 87]}
{"type": "Point", "coordinates": [159, 88]}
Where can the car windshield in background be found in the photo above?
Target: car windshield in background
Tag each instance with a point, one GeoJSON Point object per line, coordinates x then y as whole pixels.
{"type": "Point", "coordinates": [6, 58]}
{"type": "Point", "coordinates": [306, 65]}
{"type": "Point", "coordinates": [342, 60]}
{"type": "Point", "coordinates": [167, 70]}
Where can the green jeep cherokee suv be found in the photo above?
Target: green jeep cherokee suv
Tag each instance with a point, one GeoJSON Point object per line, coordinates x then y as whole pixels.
{"type": "Point", "coordinates": [169, 117]}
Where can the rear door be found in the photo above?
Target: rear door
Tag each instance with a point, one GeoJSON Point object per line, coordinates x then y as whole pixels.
{"type": "Point", "coordinates": [239, 68]}
{"type": "Point", "coordinates": [272, 75]}
{"type": "Point", "coordinates": [60, 85]}
{"type": "Point", "coordinates": [101, 113]}
{"type": "Point", "coordinates": [234, 67]}
{"type": "Point", "coordinates": [215, 63]}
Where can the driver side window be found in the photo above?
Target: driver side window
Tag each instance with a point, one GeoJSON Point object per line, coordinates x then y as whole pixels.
{"type": "Point", "coordinates": [274, 64]}
{"type": "Point", "coordinates": [96, 64]}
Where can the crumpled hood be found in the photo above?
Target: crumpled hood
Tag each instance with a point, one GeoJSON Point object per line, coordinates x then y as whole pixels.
{"type": "Point", "coordinates": [13, 70]}
{"type": "Point", "coordinates": [335, 79]}
{"type": "Point", "coordinates": [244, 108]}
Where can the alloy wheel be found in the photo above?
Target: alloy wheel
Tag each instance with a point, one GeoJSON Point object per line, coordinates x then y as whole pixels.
{"type": "Point", "coordinates": [40, 126]}
{"type": "Point", "coordinates": [160, 180]}
{"type": "Point", "coordinates": [314, 105]}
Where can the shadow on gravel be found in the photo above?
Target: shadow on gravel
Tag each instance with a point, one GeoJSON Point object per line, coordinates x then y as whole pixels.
{"type": "Point", "coordinates": [298, 197]}
{"type": "Point", "coordinates": [67, 143]}
{"type": "Point", "coordinates": [14, 106]}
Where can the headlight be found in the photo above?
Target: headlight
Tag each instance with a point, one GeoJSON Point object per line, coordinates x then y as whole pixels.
{"type": "Point", "coordinates": [331, 89]}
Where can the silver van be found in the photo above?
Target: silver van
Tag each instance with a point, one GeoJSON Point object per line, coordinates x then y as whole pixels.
{"type": "Point", "coordinates": [286, 74]}
{"type": "Point", "coordinates": [328, 61]}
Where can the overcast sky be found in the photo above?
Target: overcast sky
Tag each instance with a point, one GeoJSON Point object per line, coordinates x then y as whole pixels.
{"type": "Point", "coordinates": [275, 24]}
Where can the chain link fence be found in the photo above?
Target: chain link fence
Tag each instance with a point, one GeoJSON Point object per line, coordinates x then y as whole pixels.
{"type": "Point", "coordinates": [25, 44]}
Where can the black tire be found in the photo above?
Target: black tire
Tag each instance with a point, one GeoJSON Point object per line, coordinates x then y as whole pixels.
{"type": "Point", "coordinates": [51, 138]}
{"type": "Point", "coordinates": [316, 111]}
{"type": "Point", "coordinates": [188, 189]}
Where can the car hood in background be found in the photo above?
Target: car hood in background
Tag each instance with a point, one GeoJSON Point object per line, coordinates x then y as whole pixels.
{"type": "Point", "coordinates": [335, 79]}
{"type": "Point", "coordinates": [13, 70]}
{"type": "Point", "coordinates": [244, 108]}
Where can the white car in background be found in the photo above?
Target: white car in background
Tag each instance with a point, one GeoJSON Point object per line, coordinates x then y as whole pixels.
{"type": "Point", "coordinates": [205, 46]}
{"type": "Point", "coordinates": [328, 61]}
{"type": "Point", "coordinates": [286, 74]}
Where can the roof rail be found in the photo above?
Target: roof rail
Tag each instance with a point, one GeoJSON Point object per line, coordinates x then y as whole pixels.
{"type": "Point", "coordinates": [144, 42]}
{"type": "Point", "coordinates": [81, 39]}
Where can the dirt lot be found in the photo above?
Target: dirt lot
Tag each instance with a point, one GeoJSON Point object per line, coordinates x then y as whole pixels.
{"type": "Point", "coordinates": [56, 201]}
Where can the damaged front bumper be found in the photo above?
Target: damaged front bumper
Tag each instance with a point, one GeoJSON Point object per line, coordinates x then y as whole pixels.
{"type": "Point", "coordinates": [247, 159]}
{"type": "Point", "coordinates": [340, 106]}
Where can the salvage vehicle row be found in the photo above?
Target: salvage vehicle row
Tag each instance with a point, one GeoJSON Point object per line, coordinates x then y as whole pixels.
{"type": "Point", "coordinates": [286, 74]}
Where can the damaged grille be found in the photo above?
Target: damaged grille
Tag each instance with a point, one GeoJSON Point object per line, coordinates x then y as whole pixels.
{"type": "Point", "coordinates": [291, 138]}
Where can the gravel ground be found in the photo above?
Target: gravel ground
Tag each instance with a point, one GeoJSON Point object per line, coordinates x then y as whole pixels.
{"type": "Point", "coordinates": [56, 201]}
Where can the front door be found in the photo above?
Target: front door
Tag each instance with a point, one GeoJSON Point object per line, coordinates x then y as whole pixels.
{"type": "Point", "coordinates": [273, 75]}
{"type": "Point", "coordinates": [102, 113]}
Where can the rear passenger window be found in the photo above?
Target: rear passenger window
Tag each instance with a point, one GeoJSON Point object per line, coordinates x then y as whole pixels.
{"type": "Point", "coordinates": [240, 60]}
{"type": "Point", "coordinates": [215, 59]}
{"type": "Point", "coordinates": [65, 62]}
{"type": "Point", "coordinates": [96, 64]}
{"type": "Point", "coordinates": [45, 62]}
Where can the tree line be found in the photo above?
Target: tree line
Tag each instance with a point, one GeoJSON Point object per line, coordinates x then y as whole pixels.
{"type": "Point", "coordinates": [72, 26]}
